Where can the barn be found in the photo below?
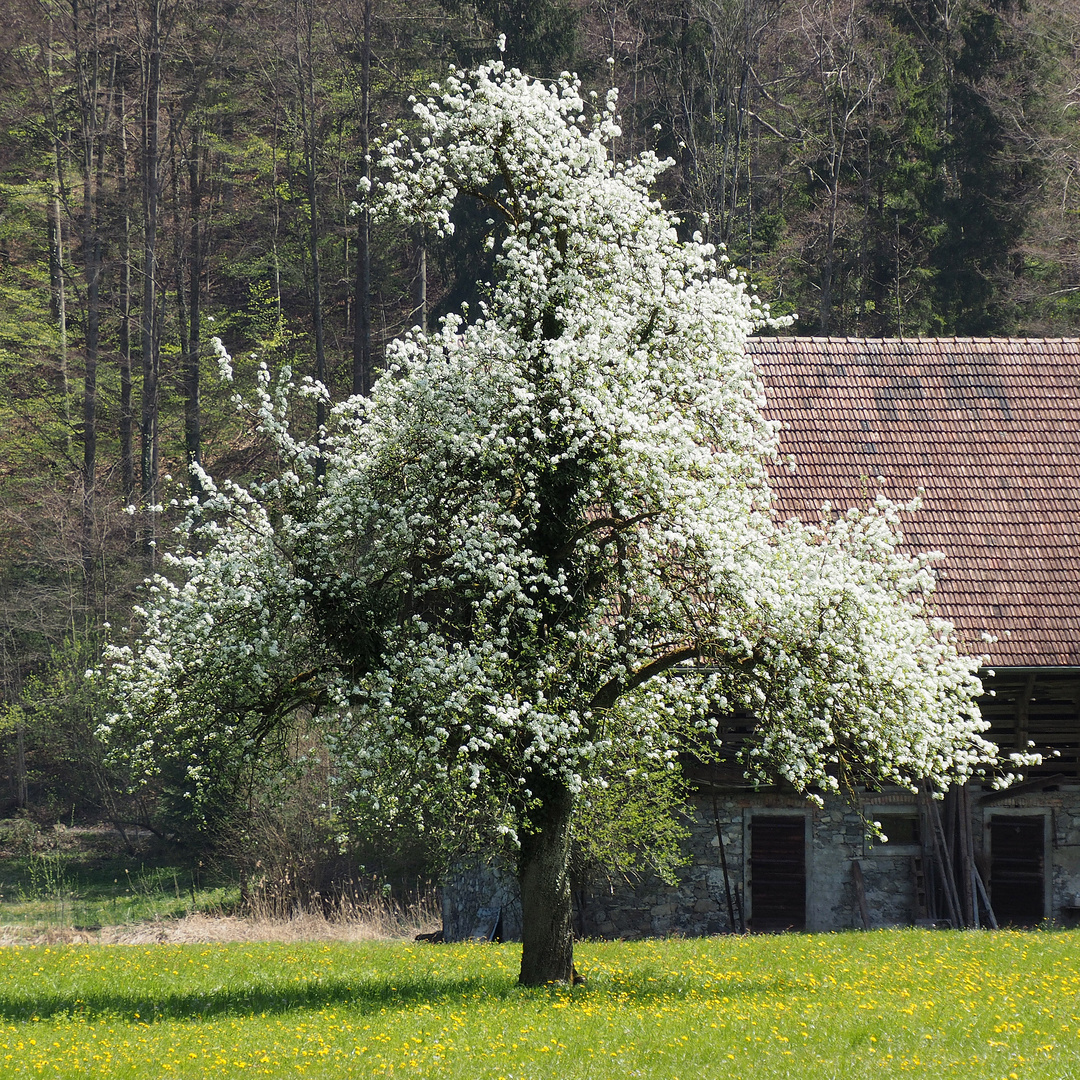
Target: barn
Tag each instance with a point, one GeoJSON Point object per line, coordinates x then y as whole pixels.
{"type": "Point", "coordinates": [989, 431]}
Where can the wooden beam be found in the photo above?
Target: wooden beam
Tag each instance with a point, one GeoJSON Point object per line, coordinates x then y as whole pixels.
{"type": "Point", "coordinates": [1038, 783]}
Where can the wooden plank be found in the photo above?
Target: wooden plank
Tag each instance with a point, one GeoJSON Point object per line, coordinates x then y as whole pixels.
{"type": "Point", "coordinates": [860, 892]}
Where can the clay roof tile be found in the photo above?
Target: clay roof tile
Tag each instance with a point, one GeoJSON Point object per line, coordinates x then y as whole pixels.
{"type": "Point", "coordinates": [989, 428]}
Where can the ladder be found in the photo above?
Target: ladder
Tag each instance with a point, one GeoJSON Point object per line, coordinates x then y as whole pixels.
{"type": "Point", "coordinates": [918, 878]}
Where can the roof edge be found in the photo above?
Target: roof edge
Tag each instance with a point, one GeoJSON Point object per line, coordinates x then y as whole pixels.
{"type": "Point", "coordinates": [1032, 669]}
{"type": "Point", "coordinates": [917, 340]}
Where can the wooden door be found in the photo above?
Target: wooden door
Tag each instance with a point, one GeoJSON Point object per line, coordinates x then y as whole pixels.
{"type": "Point", "coordinates": [1017, 870]}
{"type": "Point", "coordinates": [777, 873]}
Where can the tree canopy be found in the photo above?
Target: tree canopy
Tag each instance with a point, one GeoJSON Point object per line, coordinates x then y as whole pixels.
{"type": "Point", "coordinates": [536, 560]}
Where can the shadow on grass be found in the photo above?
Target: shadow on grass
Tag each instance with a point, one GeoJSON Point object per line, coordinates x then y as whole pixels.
{"type": "Point", "coordinates": [362, 995]}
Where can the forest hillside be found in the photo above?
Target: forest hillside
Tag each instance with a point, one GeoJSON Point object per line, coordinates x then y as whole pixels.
{"type": "Point", "coordinates": [174, 170]}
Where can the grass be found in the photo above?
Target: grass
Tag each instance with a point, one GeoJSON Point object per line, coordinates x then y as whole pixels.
{"type": "Point", "coordinates": [64, 884]}
{"type": "Point", "coordinates": [889, 1003]}
{"type": "Point", "coordinates": [45, 891]}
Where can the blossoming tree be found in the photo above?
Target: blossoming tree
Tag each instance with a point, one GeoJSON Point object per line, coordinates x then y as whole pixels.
{"type": "Point", "coordinates": [542, 553]}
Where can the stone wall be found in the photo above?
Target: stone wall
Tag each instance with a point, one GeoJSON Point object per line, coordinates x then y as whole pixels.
{"type": "Point", "coordinates": [698, 902]}
{"type": "Point", "coordinates": [481, 903]}
{"type": "Point", "coordinates": [1065, 895]}
{"type": "Point", "coordinates": [702, 900]}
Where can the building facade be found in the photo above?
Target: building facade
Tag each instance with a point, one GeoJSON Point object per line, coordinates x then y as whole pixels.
{"type": "Point", "coordinates": [988, 433]}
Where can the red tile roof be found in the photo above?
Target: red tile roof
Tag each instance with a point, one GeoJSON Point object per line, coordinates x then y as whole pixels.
{"type": "Point", "coordinates": [989, 429]}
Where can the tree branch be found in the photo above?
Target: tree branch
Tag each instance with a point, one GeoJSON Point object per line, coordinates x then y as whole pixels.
{"type": "Point", "coordinates": [616, 525]}
{"type": "Point", "coordinates": [611, 691]}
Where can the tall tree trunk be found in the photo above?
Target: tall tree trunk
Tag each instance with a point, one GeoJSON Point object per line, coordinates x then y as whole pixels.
{"type": "Point", "coordinates": [56, 260]}
{"type": "Point", "coordinates": [828, 263]}
{"type": "Point", "coordinates": [192, 404]}
{"type": "Point", "coordinates": [275, 217]}
{"type": "Point", "coordinates": [127, 412]}
{"type": "Point", "coordinates": [88, 58]}
{"type": "Point", "coordinates": [56, 241]}
{"type": "Point", "coordinates": [179, 260]}
{"type": "Point", "coordinates": [547, 953]}
{"type": "Point", "coordinates": [419, 291]}
{"type": "Point", "coordinates": [187, 289]}
{"type": "Point", "coordinates": [305, 71]}
{"type": "Point", "coordinates": [149, 329]}
{"type": "Point", "coordinates": [21, 791]}
{"type": "Point", "coordinates": [362, 374]}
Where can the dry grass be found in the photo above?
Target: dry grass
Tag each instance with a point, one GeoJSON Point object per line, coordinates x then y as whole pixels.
{"type": "Point", "coordinates": [365, 920]}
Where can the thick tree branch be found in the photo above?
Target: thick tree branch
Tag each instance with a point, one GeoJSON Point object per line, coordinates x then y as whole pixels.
{"type": "Point", "coordinates": [616, 524]}
{"type": "Point", "coordinates": [610, 692]}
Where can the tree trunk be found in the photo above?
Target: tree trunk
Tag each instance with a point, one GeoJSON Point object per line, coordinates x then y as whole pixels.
{"type": "Point", "coordinates": [362, 374]}
{"type": "Point", "coordinates": [150, 331]}
{"type": "Point", "coordinates": [192, 403]}
{"type": "Point", "coordinates": [420, 303]}
{"type": "Point", "coordinates": [188, 291]}
{"type": "Point", "coordinates": [92, 127]}
{"type": "Point", "coordinates": [547, 953]}
{"type": "Point", "coordinates": [127, 412]}
{"type": "Point", "coordinates": [56, 260]}
{"type": "Point", "coordinates": [21, 792]}
{"type": "Point", "coordinates": [305, 74]}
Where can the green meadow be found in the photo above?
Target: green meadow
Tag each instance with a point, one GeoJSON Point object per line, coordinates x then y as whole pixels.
{"type": "Point", "coordinates": [889, 1003]}
{"type": "Point", "coordinates": [63, 891]}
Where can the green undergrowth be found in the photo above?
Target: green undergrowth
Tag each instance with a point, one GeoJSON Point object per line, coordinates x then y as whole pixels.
{"type": "Point", "coordinates": [887, 1003]}
{"type": "Point", "coordinates": [62, 880]}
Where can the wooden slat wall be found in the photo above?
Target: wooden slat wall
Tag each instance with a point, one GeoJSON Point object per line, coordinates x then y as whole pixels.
{"type": "Point", "coordinates": [1040, 706]}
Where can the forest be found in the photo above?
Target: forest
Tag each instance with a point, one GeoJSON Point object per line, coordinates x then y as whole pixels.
{"type": "Point", "coordinates": [176, 170]}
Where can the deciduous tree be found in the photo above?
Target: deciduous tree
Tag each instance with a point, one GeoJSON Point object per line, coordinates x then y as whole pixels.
{"type": "Point", "coordinates": [541, 554]}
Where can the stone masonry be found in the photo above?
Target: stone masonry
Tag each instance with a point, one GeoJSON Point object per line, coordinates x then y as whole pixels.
{"type": "Point", "coordinates": [479, 902]}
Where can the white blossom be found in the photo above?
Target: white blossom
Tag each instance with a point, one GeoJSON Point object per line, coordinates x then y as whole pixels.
{"type": "Point", "coordinates": [545, 545]}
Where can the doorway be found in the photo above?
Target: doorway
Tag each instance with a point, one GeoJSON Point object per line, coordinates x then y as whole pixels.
{"type": "Point", "coordinates": [1017, 870]}
{"type": "Point", "coordinates": [777, 873]}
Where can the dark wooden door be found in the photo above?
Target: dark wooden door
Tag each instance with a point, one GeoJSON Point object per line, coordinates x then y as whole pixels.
{"type": "Point", "coordinates": [1017, 870]}
{"type": "Point", "coordinates": [777, 873]}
